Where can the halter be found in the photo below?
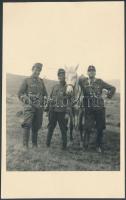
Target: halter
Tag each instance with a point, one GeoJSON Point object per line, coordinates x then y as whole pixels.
{"type": "Point", "coordinates": [73, 86]}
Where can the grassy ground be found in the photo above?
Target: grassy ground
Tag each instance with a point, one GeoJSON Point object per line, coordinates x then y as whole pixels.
{"type": "Point", "coordinates": [55, 159]}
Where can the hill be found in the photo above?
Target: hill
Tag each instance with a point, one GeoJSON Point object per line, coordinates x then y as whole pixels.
{"type": "Point", "coordinates": [13, 83]}
{"type": "Point", "coordinates": [54, 158]}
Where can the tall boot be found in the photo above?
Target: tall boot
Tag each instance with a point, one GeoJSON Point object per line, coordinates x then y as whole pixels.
{"type": "Point", "coordinates": [49, 137]}
{"type": "Point", "coordinates": [64, 140]}
{"type": "Point", "coordinates": [26, 133]}
{"type": "Point", "coordinates": [86, 139]}
{"type": "Point", "coordinates": [99, 145]}
{"type": "Point", "coordinates": [34, 138]}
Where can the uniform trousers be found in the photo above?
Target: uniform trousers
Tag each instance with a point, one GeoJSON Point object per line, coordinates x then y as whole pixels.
{"type": "Point", "coordinates": [55, 117]}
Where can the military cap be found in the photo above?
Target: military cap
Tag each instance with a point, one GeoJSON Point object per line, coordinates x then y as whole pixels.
{"type": "Point", "coordinates": [91, 68]}
{"type": "Point", "coordinates": [37, 65]}
{"type": "Point", "coordinates": [61, 71]}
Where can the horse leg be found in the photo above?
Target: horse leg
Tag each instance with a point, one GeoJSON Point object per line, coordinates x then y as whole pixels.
{"type": "Point", "coordinates": [80, 118]}
{"type": "Point", "coordinates": [76, 121]}
{"type": "Point", "coordinates": [81, 138]}
{"type": "Point", "coordinates": [81, 125]}
{"type": "Point", "coordinates": [66, 124]}
{"type": "Point", "coordinates": [71, 129]}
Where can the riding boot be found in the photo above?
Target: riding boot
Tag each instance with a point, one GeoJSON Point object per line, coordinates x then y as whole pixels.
{"type": "Point", "coordinates": [64, 147]}
{"type": "Point", "coordinates": [34, 138]}
{"type": "Point", "coordinates": [49, 137]}
{"type": "Point", "coordinates": [71, 129]}
{"type": "Point", "coordinates": [99, 145]}
{"type": "Point", "coordinates": [26, 133]}
{"type": "Point", "coordinates": [81, 139]}
{"type": "Point", "coordinates": [64, 139]}
{"type": "Point", "coordinates": [86, 140]}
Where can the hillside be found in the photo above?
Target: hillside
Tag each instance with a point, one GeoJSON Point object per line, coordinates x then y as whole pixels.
{"type": "Point", "coordinates": [13, 83]}
{"type": "Point", "coordinates": [54, 158]}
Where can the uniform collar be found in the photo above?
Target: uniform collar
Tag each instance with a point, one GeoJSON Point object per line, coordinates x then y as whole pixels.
{"type": "Point", "coordinates": [62, 84]}
{"type": "Point", "coordinates": [34, 78]}
{"type": "Point", "coordinates": [91, 80]}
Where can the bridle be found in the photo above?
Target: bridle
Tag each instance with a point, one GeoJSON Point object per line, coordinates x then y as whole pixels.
{"type": "Point", "coordinates": [73, 86]}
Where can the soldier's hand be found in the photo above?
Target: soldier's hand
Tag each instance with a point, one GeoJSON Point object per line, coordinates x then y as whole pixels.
{"type": "Point", "coordinates": [109, 95]}
{"type": "Point", "coordinates": [104, 94]}
{"type": "Point", "coordinates": [76, 107]}
{"type": "Point", "coordinates": [66, 116]}
{"type": "Point", "coordinates": [27, 100]}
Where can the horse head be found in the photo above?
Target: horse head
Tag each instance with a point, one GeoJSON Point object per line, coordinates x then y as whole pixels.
{"type": "Point", "coordinates": [71, 78]}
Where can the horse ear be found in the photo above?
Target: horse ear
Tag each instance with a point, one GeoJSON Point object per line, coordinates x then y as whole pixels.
{"type": "Point", "coordinates": [76, 68]}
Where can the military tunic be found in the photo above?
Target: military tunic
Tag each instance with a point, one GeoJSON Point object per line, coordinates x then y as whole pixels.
{"type": "Point", "coordinates": [31, 93]}
{"type": "Point", "coordinates": [59, 98]}
{"type": "Point", "coordinates": [93, 101]}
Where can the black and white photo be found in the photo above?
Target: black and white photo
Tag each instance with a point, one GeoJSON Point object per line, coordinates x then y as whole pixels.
{"type": "Point", "coordinates": [63, 81]}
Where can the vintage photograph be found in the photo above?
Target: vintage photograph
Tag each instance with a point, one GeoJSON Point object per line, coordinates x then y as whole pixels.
{"type": "Point", "coordinates": [63, 66]}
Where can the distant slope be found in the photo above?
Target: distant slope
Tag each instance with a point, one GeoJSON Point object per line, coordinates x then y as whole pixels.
{"type": "Point", "coordinates": [13, 83]}
{"type": "Point", "coordinates": [116, 83]}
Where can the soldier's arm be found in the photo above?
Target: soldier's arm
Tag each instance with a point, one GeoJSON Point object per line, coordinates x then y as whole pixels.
{"type": "Point", "coordinates": [111, 89]}
{"type": "Point", "coordinates": [52, 92]}
{"type": "Point", "coordinates": [22, 90]}
{"type": "Point", "coordinates": [22, 93]}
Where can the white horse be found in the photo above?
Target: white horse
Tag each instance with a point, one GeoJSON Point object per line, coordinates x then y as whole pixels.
{"type": "Point", "coordinates": [74, 92]}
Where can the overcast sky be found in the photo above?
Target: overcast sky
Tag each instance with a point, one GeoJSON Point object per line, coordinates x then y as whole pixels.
{"type": "Point", "coordinates": [59, 34]}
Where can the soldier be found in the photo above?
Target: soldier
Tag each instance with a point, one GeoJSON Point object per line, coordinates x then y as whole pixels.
{"type": "Point", "coordinates": [94, 104]}
{"type": "Point", "coordinates": [31, 93]}
{"type": "Point", "coordinates": [57, 109]}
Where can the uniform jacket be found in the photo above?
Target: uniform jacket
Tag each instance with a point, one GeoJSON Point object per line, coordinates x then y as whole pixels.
{"type": "Point", "coordinates": [92, 91]}
{"type": "Point", "coordinates": [59, 98]}
{"type": "Point", "coordinates": [33, 89]}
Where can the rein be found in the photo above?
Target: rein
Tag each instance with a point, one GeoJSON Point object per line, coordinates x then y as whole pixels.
{"type": "Point", "coordinates": [74, 88]}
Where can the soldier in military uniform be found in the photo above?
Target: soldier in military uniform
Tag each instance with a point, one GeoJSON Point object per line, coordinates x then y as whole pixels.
{"type": "Point", "coordinates": [31, 93]}
{"type": "Point", "coordinates": [94, 104]}
{"type": "Point", "coordinates": [57, 109]}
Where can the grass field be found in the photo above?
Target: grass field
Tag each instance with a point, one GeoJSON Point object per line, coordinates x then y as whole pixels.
{"type": "Point", "coordinates": [55, 159]}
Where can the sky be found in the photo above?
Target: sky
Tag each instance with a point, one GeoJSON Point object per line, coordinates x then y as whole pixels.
{"type": "Point", "coordinates": [59, 34]}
